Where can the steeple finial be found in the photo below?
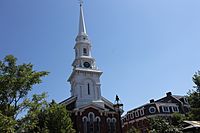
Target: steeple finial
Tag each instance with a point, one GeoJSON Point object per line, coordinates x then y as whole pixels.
{"type": "Point", "coordinates": [81, 2]}
{"type": "Point", "coordinates": [82, 28]}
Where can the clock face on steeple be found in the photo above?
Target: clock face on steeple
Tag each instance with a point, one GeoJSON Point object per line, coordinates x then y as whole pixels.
{"type": "Point", "coordinates": [86, 64]}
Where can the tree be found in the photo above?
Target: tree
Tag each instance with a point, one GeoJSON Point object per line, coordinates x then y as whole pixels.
{"type": "Point", "coordinates": [45, 117]}
{"type": "Point", "coordinates": [7, 124]}
{"type": "Point", "coordinates": [32, 121]}
{"type": "Point", "coordinates": [194, 98]}
{"type": "Point", "coordinates": [39, 116]}
{"type": "Point", "coordinates": [177, 120]}
{"type": "Point", "coordinates": [133, 130]}
{"type": "Point", "coordinates": [54, 114]}
{"type": "Point", "coordinates": [15, 83]}
{"type": "Point", "coordinates": [162, 125]}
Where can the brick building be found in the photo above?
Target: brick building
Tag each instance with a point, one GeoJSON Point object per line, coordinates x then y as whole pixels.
{"type": "Point", "coordinates": [165, 107]}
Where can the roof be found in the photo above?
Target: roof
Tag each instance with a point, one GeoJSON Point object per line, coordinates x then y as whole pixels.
{"type": "Point", "coordinates": [84, 70]}
{"type": "Point", "coordinates": [159, 102]}
{"type": "Point", "coordinates": [68, 100]}
{"type": "Point", "coordinates": [178, 96]}
{"type": "Point", "coordinates": [91, 105]}
{"type": "Point", "coordinates": [107, 104]}
{"type": "Point", "coordinates": [192, 124]}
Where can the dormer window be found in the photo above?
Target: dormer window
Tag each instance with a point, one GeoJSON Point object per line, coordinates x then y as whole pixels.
{"type": "Point", "coordinates": [127, 116]}
{"type": "Point", "coordinates": [165, 109]}
{"type": "Point", "coordinates": [137, 113]}
{"type": "Point", "coordinates": [132, 115]}
{"type": "Point", "coordinates": [175, 109]}
{"type": "Point", "coordinates": [142, 111]}
{"type": "Point", "coordinates": [85, 52]}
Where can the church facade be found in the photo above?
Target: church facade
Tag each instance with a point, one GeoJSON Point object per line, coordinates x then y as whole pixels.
{"type": "Point", "coordinates": [90, 111]}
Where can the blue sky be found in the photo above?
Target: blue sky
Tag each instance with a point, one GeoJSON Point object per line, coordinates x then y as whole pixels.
{"type": "Point", "coordinates": [144, 47]}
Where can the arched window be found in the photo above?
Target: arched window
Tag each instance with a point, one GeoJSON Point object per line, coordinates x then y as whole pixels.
{"type": "Point", "coordinates": [97, 125]}
{"type": "Point", "coordinates": [91, 122]}
{"type": "Point", "coordinates": [85, 124]}
{"type": "Point", "coordinates": [85, 51]}
{"type": "Point", "coordinates": [111, 125]}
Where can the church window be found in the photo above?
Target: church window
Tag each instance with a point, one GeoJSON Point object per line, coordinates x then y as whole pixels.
{"type": "Point", "coordinates": [97, 127]}
{"type": "Point", "coordinates": [91, 123]}
{"type": "Point", "coordinates": [84, 51]}
{"type": "Point", "coordinates": [111, 125]}
{"type": "Point", "coordinates": [85, 124]}
{"type": "Point", "coordinates": [88, 87]}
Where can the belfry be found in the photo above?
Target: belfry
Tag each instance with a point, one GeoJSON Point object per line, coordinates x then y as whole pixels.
{"type": "Point", "coordinates": [90, 112]}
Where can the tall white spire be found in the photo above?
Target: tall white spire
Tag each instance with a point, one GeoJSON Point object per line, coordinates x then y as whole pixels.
{"type": "Point", "coordinates": [82, 28]}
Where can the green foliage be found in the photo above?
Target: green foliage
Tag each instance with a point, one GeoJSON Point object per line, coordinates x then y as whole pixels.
{"type": "Point", "coordinates": [133, 130]}
{"type": "Point", "coordinates": [177, 119]}
{"type": "Point", "coordinates": [54, 114]}
{"type": "Point", "coordinates": [7, 124]}
{"type": "Point", "coordinates": [194, 98]}
{"type": "Point", "coordinates": [196, 80]}
{"type": "Point", "coordinates": [16, 81]}
{"type": "Point", "coordinates": [43, 117]}
{"type": "Point", "coordinates": [162, 125]}
{"type": "Point", "coordinates": [34, 107]}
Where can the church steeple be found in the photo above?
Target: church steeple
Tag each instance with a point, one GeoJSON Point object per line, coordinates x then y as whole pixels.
{"type": "Point", "coordinates": [82, 27]}
{"type": "Point", "coordinates": [85, 78]}
{"type": "Point", "coordinates": [83, 57]}
{"type": "Point", "coordinates": [82, 34]}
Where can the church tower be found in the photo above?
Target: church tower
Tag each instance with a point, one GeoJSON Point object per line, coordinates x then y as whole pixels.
{"type": "Point", "coordinates": [90, 111]}
{"type": "Point", "coordinates": [85, 78]}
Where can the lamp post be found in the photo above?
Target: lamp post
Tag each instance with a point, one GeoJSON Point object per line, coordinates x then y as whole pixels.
{"type": "Point", "coordinates": [119, 108]}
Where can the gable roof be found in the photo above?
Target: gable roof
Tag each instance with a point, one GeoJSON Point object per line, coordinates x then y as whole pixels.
{"type": "Point", "coordinates": [68, 100]}
{"type": "Point", "coordinates": [91, 105]}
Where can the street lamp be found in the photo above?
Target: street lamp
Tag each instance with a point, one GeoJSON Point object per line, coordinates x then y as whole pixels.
{"type": "Point", "coordinates": [119, 108]}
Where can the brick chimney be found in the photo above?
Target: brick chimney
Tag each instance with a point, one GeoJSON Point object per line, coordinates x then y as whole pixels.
{"type": "Point", "coordinates": [168, 94]}
{"type": "Point", "coordinates": [152, 101]}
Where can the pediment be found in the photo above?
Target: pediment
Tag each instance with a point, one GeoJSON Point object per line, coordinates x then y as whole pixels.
{"type": "Point", "coordinates": [91, 105]}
